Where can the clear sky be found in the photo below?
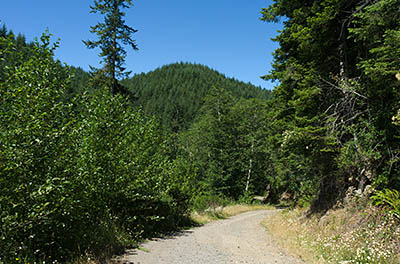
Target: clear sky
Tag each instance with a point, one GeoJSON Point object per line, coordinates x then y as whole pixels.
{"type": "Point", "coordinates": [225, 35]}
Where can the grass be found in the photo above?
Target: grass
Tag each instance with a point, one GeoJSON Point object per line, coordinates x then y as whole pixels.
{"type": "Point", "coordinates": [347, 235]}
{"type": "Point", "coordinates": [144, 249]}
{"type": "Point", "coordinates": [213, 214]}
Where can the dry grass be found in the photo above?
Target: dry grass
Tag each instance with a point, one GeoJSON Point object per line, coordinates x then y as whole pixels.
{"type": "Point", "coordinates": [214, 214]}
{"type": "Point", "coordinates": [286, 228]}
{"type": "Point", "coordinates": [242, 208]}
{"type": "Point", "coordinates": [351, 235]}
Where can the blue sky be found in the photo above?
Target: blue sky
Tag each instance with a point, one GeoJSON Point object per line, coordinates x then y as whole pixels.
{"type": "Point", "coordinates": [225, 35]}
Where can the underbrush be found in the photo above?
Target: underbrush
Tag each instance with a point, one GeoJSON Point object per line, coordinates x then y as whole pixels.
{"type": "Point", "coordinates": [357, 233]}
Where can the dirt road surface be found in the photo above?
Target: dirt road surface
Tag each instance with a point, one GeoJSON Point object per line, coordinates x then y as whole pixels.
{"type": "Point", "coordinates": [239, 239]}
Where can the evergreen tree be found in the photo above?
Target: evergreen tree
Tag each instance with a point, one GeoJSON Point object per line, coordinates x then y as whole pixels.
{"type": "Point", "coordinates": [3, 31]}
{"type": "Point", "coordinates": [336, 65]}
{"type": "Point", "coordinates": [112, 34]}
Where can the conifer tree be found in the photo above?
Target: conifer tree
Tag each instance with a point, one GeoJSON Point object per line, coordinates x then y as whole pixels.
{"type": "Point", "coordinates": [112, 33]}
{"type": "Point", "coordinates": [3, 31]}
{"type": "Point", "coordinates": [337, 95]}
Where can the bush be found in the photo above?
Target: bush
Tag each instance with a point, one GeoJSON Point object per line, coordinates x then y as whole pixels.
{"type": "Point", "coordinates": [205, 201]}
{"type": "Point", "coordinates": [81, 177]}
{"type": "Point", "coordinates": [389, 198]}
{"type": "Point", "coordinates": [246, 198]}
{"type": "Point", "coordinates": [40, 202]}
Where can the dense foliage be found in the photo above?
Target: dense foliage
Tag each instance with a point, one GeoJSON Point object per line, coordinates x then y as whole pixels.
{"type": "Point", "coordinates": [82, 176]}
{"type": "Point", "coordinates": [228, 145]}
{"type": "Point", "coordinates": [337, 96]}
{"type": "Point", "coordinates": [9, 59]}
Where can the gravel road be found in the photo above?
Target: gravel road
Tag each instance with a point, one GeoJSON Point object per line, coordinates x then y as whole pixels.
{"type": "Point", "coordinates": [239, 239]}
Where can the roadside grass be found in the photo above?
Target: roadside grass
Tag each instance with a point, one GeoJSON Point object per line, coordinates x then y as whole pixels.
{"type": "Point", "coordinates": [352, 234]}
{"type": "Point", "coordinates": [217, 213]}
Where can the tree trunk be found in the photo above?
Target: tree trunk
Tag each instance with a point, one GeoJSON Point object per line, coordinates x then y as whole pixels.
{"type": "Point", "coordinates": [114, 53]}
{"type": "Point", "coordinates": [250, 167]}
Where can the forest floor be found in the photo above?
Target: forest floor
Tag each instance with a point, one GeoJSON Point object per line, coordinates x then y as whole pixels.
{"type": "Point", "coordinates": [239, 239]}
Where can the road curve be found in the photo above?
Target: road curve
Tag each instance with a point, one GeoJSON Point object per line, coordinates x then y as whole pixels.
{"type": "Point", "coordinates": [239, 239]}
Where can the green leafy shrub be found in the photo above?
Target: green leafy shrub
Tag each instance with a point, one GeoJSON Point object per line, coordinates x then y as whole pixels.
{"type": "Point", "coordinates": [39, 198]}
{"type": "Point", "coordinates": [389, 198]}
{"type": "Point", "coordinates": [125, 161]}
{"type": "Point", "coordinates": [86, 176]}
{"type": "Point", "coordinates": [205, 201]}
{"type": "Point", "coordinates": [246, 198]}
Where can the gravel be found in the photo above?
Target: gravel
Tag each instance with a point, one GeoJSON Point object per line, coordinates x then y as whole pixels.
{"type": "Point", "coordinates": [239, 239]}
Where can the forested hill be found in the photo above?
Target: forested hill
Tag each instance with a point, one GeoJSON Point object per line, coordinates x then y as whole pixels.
{"type": "Point", "coordinates": [175, 92]}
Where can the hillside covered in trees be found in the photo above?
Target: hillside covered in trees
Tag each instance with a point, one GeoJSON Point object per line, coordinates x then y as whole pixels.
{"type": "Point", "coordinates": [176, 92]}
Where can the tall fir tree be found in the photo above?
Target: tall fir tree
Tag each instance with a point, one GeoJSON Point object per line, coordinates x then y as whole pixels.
{"type": "Point", "coordinates": [336, 65]}
{"type": "Point", "coordinates": [112, 33]}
